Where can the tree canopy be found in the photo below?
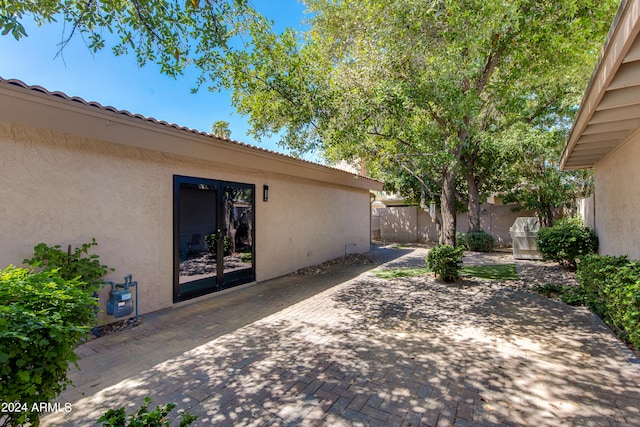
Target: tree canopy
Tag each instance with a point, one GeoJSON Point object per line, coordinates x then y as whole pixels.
{"type": "Point", "coordinates": [428, 88]}
{"type": "Point", "coordinates": [533, 178]}
{"type": "Point", "coordinates": [172, 33]}
{"type": "Point", "coordinates": [221, 129]}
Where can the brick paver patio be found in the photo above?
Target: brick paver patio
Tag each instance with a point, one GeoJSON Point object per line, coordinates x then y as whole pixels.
{"type": "Point", "coordinates": [348, 348]}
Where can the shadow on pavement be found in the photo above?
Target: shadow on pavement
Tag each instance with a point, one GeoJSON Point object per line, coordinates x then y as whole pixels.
{"type": "Point", "coordinates": [414, 351]}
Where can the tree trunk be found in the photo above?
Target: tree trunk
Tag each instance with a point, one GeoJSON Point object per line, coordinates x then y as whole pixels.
{"type": "Point", "coordinates": [473, 204]}
{"type": "Point", "coordinates": [544, 211]}
{"type": "Point", "coordinates": [548, 216]}
{"type": "Point", "coordinates": [249, 228]}
{"type": "Point", "coordinates": [448, 208]}
{"type": "Point", "coordinates": [230, 223]}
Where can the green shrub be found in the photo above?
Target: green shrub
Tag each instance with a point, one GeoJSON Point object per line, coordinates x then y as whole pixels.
{"type": "Point", "coordinates": [71, 264]}
{"type": "Point", "coordinates": [573, 295]}
{"type": "Point", "coordinates": [212, 243]}
{"type": "Point", "coordinates": [445, 261]}
{"type": "Point", "coordinates": [596, 274]}
{"type": "Point", "coordinates": [611, 286]}
{"type": "Point", "coordinates": [143, 417]}
{"type": "Point", "coordinates": [43, 317]}
{"type": "Point", "coordinates": [623, 306]}
{"type": "Point", "coordinates": [566, 242]}
{"type": "Point", "coordinates": [476, 241]}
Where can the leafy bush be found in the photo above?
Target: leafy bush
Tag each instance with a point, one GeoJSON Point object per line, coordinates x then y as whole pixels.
{"type": "Point", "coordinates": [210, 239]}
{"type": "Point", "coordinates": [596, 274]}
{"type": "Point", "coordinates": [573, 295]}
{"type": "Point", "coordinates": [476, 241]}
{"type": "Point", "coordinates": [43, 317]}
{"type": "Point", "coordinates": [566, 242]}
{"type": "Point", "coordinates": [445, 261]}
{"type": "Point", "coordinates": [212, 243]}
{"type": "Point", "coordinates": [71, 264]}
{"type": "Point", "coordinates": [611, 286]}
{"type": "Point", "coordinates": [143, 417]}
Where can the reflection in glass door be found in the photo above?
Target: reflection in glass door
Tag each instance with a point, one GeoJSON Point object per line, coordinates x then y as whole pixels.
{"type": "Point", "coordinates": [213, 236]}
{"type": "Point", "coordinates": [197, 223]}
{"type": "Point", "coordinates": [238, 228]}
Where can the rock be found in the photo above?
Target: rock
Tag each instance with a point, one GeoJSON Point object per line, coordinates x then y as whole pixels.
{"type": "Point", "coordinates": [113, 328]}
{"type": "Point", "coordinates": [325, 267]}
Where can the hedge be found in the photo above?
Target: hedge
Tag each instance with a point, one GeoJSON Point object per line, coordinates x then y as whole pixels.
{"type": "Point", "coordinates": [476, 241]}
{"type": "Point", "coordinates": [445, 261]}
{"type": "Point", "coordinates": [611, 288]}
{"type": "Point", "coordinates": [43, 317]}
{"type": "Point", "coordinates": [566, 242]}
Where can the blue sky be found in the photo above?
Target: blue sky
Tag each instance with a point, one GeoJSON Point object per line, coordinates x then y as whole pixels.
{"type": "Point", "coordinates": [120, 83]}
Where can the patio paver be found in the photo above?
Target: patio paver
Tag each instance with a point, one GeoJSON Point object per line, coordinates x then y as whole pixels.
{"type": "Point", "coordinates": [347, 348]}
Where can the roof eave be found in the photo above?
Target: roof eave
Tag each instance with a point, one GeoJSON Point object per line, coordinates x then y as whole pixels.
{"type": "Point", "coordinates": [37, 107]}
{"type": "Point", "coordinates": [622, 35]}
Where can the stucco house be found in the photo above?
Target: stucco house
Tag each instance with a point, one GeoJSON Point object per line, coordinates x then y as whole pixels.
{"type": "Point", "coordinates": [186, 213]}
{"type": "Point", "coordinates": [606, 136]}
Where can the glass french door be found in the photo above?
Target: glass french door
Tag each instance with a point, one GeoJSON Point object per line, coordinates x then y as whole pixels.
{"type": "Point", "coordinates": [213, 236]}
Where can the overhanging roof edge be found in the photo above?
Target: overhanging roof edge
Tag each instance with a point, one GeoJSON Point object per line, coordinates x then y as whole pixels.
{"type": "Point", "coordinates": [43, 96]}
{"type": "Point", "coordinates": [622, 33]}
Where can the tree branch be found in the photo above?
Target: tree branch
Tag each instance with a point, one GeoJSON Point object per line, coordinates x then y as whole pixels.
{"type": "Point", "coordinates": [387, 136]}
{"type": "Point", "coordinates": [438, 119]}
{"type": "Point", "coordinates": [493, 59]}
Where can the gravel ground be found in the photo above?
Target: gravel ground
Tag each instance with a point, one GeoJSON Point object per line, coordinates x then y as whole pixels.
{"type": "Point", "coordinates": [326, 267]}
{"type": "Point", "coordinates": [531, 272]}
{"type": "Point", "coordinates": [539, 272]}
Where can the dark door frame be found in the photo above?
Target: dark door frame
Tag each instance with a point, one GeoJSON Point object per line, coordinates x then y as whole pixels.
{"type": "Point", "coordinates": [220, 218]}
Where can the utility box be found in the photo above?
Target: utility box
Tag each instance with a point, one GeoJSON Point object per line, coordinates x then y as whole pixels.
{"type": "Point", "coordinates": [120, 301]}
{"type": "Point", "coordinates": [523, 236]}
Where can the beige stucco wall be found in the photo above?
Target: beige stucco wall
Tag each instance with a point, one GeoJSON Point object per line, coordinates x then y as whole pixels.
{"type": "Point", "coordinates": [411, 224]}
{"type": "Point", "coordinates": [305, 223]}
{"type": "Point", "coordinates": [617, 201]}
{"type": "Point", "coordinates": [495, 220]}
{"type": "Point", "coordinates": [63, 189]}
{"type": "Point", "coordinates": [586, 211]}
{"type": "Point", "coordinates": [375, 224]}
{"type": "Point", "coordinates": [399, 223]}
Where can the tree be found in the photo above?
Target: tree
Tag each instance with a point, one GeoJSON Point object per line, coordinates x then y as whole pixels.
{"type": "Point", "coordinates": [424, 85]}
{"type": "Point", "coordinates": [412, 182]}
{"type": "Point", "coordinates": [221, 129]}
{"type": "Point", "coordinates": [536, 182]}
{"type": "Point", "coordinates": [233, 218]}
{"type": "Point", "coordinates": [172, 33]}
